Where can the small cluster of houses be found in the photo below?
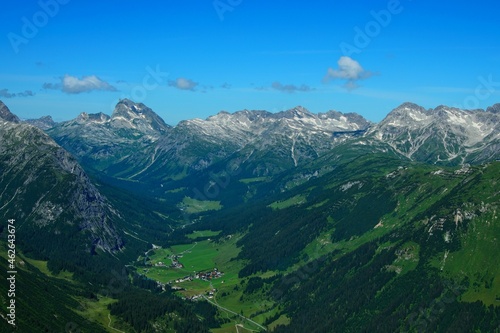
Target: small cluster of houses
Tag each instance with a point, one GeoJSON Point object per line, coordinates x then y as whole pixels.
{"type": "Point", "coordinates": [175, 262]}
{"type": "Point", "coordinates": [209, 294]}
{"type": "Point", "coordinates": [184, 279]}
{"type": "Point", "coordinates": [214, 274]}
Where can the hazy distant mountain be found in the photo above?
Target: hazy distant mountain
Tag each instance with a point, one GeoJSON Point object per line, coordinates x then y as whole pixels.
{"type": "Point", "coordinates": [43, 123]}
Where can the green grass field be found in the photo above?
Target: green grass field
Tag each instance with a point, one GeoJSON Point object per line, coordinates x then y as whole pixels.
{"type": "Point", "coordinates": [97, 311]}
{"type": "Point", "coordinates": [193, 206]}
{"type": "Point", "coordinates": [42, 266]}
{"type": "Point", "coordinates": [195, 257]}
{"type": "Point", "coordinates": [478, 261]}
{"type": "Point", "coordinates": [203, 233]}
{"type": "Point", "coordinates": [205, 256]}
{"type": "Point", "coordinates": [293, 201]}
{"type": "Point", "coordinates": [254, 180]}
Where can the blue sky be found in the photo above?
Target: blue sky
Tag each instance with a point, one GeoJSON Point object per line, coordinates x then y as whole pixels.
{"type": "Point", "coordinates": [188, 59]}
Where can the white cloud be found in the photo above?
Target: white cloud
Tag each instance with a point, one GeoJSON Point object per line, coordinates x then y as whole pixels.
{"type": "Point", "coordinates": [349, 70]}
{"type": "Point", "coordinates": [183, 84]}
{"type": "Point", "coordinates": [73, 85]}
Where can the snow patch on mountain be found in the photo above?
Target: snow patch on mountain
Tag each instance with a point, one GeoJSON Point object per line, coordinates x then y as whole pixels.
{"type": "Point", "coordinates": [443, 134]}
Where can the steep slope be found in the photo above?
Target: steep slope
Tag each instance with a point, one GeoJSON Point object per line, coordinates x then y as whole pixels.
{"type": "Point", "coordinates": [40, 299]}
{"type": "Point", "coordinates": [6, 115]}
{"type": "Point", "coordinates": [425, 266]}
{"type": "Point", "coordinates": [375, 243]}
{"type": "Point", "coordinates": [44, 188]}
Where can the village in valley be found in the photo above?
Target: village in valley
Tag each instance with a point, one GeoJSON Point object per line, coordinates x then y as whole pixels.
{"type": "Point", "coordinates": [165, 266]}
{"type": "Point", "coordinates": [205, 270]}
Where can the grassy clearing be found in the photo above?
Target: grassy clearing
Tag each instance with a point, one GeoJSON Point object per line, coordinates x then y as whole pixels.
{"type": "Point", "coordinates": [408, 256]}
{"type": "Point", "coordinates": [195, 257]}
{"type": "Point", "coordinates": [282, 320]}
{"type": "Point", "coordinates": [42, 266]}
{"type": "Point", "coordinates": [254, 180]}
{"type": "Point", "coordinates": [319, 204]}
{"type": "Point", "coordinates": [97, 311]}
{"type": "Point", "coordinates": [193, 206]}
{"type": "Point", "coordinates": [203, 233]}
{"type": "Point", "coordinates": [293, 201]}
{"type": "Point", "coordinates": [478, 261]}
{"type": "Point", "coordinates": [176, 190]}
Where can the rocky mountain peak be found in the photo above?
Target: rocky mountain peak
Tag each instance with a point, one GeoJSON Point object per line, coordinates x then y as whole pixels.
{"type": "Point", "coordinates": [128, 114]}
{"type": "Point", "coordinates": [130, 110]}
{"type": "Point", "coordinates": [43, 123]}
{"type": "Point", "coordinates": [407, 108]}
{"type": "Point", "coordinates": [92, 117]}
{"type": "Point", "coordinates": [5, 114]}
{"type": "Point", "coordinates": [297, 112]}
{"type": "Point", "coordinates": [407, 114]}
{"type": "Point", "coordinates": [495, 108]}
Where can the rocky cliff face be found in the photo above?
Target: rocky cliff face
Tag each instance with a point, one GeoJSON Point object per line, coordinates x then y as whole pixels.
{"type": "Point", "coordinates": [45, 189]}
{"type": "Point", "coordinates": [6, 115]}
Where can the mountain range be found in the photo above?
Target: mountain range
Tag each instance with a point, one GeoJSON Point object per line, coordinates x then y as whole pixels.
{"type": "Point", "coordinates": [318, 222]}
{"type": "Point", "coordinates": [135, 148]}
{"type": "Point", "coordinates": [444, 135]}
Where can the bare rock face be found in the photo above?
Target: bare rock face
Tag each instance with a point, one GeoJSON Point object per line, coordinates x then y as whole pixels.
{"type": "Point", "coordinates": [43, 186]}
{"type": "Point", "coordinates": [6, 115]}
{"type": "Point", "coordinates": [444, 135]}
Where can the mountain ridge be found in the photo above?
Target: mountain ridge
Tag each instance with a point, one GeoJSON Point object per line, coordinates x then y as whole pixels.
{"type": "Point", "coordinates": [40, 166]}
{"type": "Point", "coordinates": [133, 149]}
